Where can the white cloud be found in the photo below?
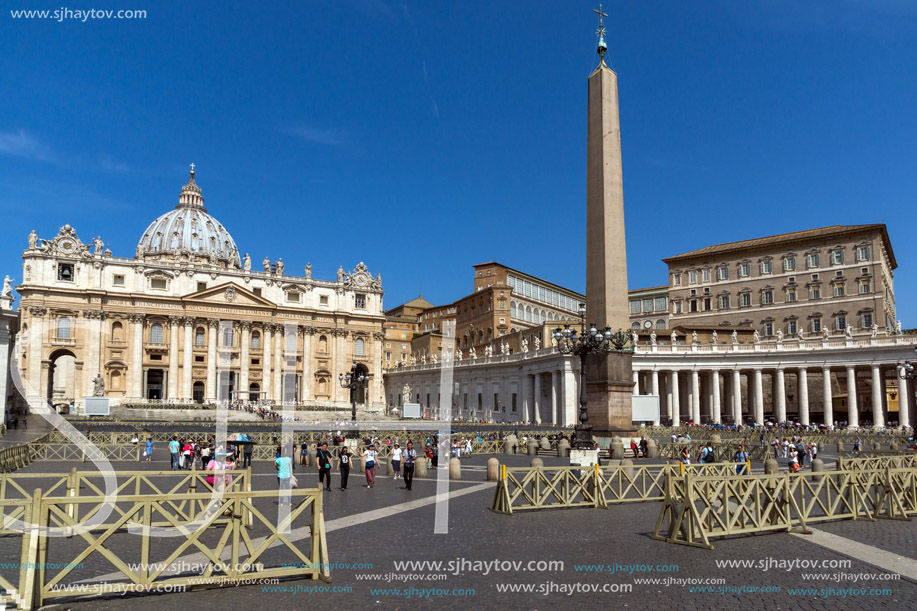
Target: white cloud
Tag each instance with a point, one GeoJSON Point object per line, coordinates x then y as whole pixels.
{"type": "Point", "coordinates": [22, 144]}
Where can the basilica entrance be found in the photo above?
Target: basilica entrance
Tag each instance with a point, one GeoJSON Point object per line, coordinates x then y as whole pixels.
{"type": "Point", "coordinates": [62, 378]}
{"type": "Point", "coordinates": [155, 380]}
{"type": "Point", "coordinates": [197, 392]}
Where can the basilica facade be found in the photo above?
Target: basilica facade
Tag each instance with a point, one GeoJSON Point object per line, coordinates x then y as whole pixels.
{"type": "Point", "coordinates": [187, 319]}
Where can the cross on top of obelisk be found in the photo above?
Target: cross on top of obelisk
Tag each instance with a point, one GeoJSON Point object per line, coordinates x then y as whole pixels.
{"type": "Point", "coordinates": [601, 47]}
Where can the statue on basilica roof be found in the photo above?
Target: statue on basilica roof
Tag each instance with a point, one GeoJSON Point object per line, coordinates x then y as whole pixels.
{"type": "Point", "coordinates": [33, 240]}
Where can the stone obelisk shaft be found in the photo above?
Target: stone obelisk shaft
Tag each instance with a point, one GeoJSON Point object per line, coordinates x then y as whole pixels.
{"type": "Point", "coordinates": [606, 256]}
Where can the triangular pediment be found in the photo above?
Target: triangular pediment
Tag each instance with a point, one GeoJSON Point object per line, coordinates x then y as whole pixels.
{"type": "Point", "coordinates": [229, 293]}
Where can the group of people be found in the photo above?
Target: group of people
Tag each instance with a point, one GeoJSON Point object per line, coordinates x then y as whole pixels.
{"type": "Point", "coordinates": [639, 449]}
{"type": "Point", "coordinates": [403, 460]}
{"type": "Point", "coordinates": [797, 453]}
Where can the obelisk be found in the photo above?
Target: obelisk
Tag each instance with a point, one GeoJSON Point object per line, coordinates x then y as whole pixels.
{"type": "Point", "coordinates": [609, 378]}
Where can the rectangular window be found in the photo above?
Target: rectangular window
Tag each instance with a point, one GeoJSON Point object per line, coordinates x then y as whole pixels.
{"type": "Point", "coordinates": [707, 304]}
{"type": "Point", "coordinates": [791, 295]}
{"type": "Point", "coordinates": [812, 260]}
{"type": "Point", "coordinates": [862, 253]}
{"type": "Point", "coordinates": [815, 292]}
{"type": "Point", "coordinates": [257, 291]}
{"type": "Point", "coordinates": [865, 286]}
{"type": "Point", "coordinates": [722, 273]}
{"type": "Point", "coordinates": [744, 270]}
{"type": "Point", "coordinates": [768, 329]}
{"type": "Point", "coordinates": [724, 302]}
{"type": "Point", "coordinates": [118, 280]}
{"type": "Point", "coordinates": [198, 359]}
{"type": "Point", "coordinates": [837, 257]}
{"type": "Point", "coordinates": [514, 401]}
{"type": "Point", "coordinates": [158, 284]}
{"type": "Point", "coordinates": [635, 307]}
{"type": "Point", "coordinates": [692, 277]}
{"type": "Point", "coordinates": [791, 327]}
{"type": "Point", "coordinates": [201, 286]}
{"type": "Point", "coordinates": [660, 304]}
{"type": "Point", "coordinates": [814, 276]}
{"type": "Point", "coordinates": [676, 279]}
{"type": "Point", "coordinates": [323, 300]}
{"type": "Point", "coordinates": [359, 302]}
{"type": "Point", "coordinates": [292, 296]}
{"type": "Point", "coordinates": [745, 299]}
{"type": "Point", "coordinates": [404, 346]}
{"type": "Point", "coordinates": [841, 323]}
{"type": "Point", "coordinates": [816, 325]}
{"type": "Point", "coordinates": [647, 305]}
{"type": "Point", "coordinates": [789, 264]}
{"type": "Point", "coordinates": [65, 272]}
{"type": "Point", "coordinates": [867, 320]}
{"type": "Point", "coordinates": [767, 297]}
{"type": "Point", "coordinates": [767, 267]}
{"type": "Point", "coordinates": [496, 401]}
{"type": "Point", "coordinates": [839, 290]}
{"type": "Point", "coordinates": [706, 275]}
{"type": "Point", "coordinates": [694, 305]}
{"type": "Point", "coordinates": [678, 307]}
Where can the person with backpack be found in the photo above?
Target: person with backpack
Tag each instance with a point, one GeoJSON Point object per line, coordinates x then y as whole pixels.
{"type": "Point", "coordinates": [741, 459]}
{"type": "Point", "coordinates": [369, 465]}
{"type": "Point", "coordinates": [323, 459]}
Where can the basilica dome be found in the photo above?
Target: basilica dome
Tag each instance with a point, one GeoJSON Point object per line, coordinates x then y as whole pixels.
{"type": "Point", "coordinates": [189, 230]}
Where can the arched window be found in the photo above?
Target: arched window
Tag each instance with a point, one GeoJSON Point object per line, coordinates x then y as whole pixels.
{"type": "Point", "coordinates": [227, 336]}
{"type": "Point", "coordinates": [256, 340]}
{"type": "Point", "coordinates": [63, 328]}
{"type": "Point", "coordinates": [535, 316]}
{"type": "Point", "coordinates": [117, 382]}
{"type": "Point", "coordinates": [323, 344]}
{"type": "Point", "coordinates": [550, 316]}
{"type": "Point", "coordinates": [543, 316]}
{"type": "Point", "coordinates": [156, 333]}
{"type": "Point", "coordinates": [117, 332]}
{"type": "Point", "coordinates": [635, 325]}
{"type": "Point", "coordinates": [512, 309]}
{"type": "Point", "coordinates": [199, 336]}
{"type": "Point", "coordinates": [660, 324]}
{"type": "Point", "coordinates": [358, 347]}
{"type": "Point", "coordinates": [528, 313]}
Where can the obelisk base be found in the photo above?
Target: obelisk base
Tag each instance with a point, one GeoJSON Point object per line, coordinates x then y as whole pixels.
{"type": "Point", "coordinates": [609, 388]}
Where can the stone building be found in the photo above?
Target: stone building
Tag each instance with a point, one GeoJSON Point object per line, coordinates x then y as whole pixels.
{"type": "Point", "coordinates": [188, 319]}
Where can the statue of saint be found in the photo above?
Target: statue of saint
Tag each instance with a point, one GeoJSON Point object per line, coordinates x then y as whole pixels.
{"type": "Point", "coordinates": [525, 345]}
{"type": "Point", "coordinates": [308, 271]}
{"type": "Point", "coordinates": [849, 332]}
{"type": "Point", "coordinates": [715, 336]}
{"type": "Point", "coordinates": [341, 274]}
{"type": "Point", "coordinates": [537, 344]}
{"type": "Point", "coordinates": [247, 262]}
{"type": "Point", "coordinates": [875, 330]}
{"type": "Point", "coordinates": [267, 264]}
{"type": "Point", "coordinates": [99, 245]}
{"type": "Point", "coordinates": [735, 337]}
{"type": "Point", "coordinates": [279, 267]}
{"type": "Point", "coordinates": [674, 338]}
{"type": "Point", "coordinates": [458, 353]}
{"type": "Point", "coordinates": [757, 336]}
{"type": "Point", "coordinates": [653, 338]}
{"type": "Point", "coordinates": [406, 394]}
{"type": "Point", "coordinates": [694, 337]}
{"type": "Point", "coordinates": [7, 288]}
{"type": "Point", "coordinates": [824, 332]}
{"type": "Point", "coordinates": [473, 353]}
{"type": "Point", "coordinates": [98, 386]}
{"type": "Point", "coordinates": [779, 335]}
{"type": "Point", "coordinates": [33, 240]}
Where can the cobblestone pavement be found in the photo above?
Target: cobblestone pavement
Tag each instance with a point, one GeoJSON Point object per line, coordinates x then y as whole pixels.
{"type": "Point", "coordinates": [364, 552]}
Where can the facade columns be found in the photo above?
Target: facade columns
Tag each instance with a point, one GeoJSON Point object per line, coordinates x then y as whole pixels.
{"type": "Point", "coordinates": [245, 360]}
{"type": "Point", "coordinates": [187, 359]}
{"type": "Point", "coordinates": [904, 403]}
{"type": "Point", "coordinates": [306, 386]}
{"type": "Point", "coordinates": [537, 401]}
{"type": "Point", "coordinates": [759, 396]}
{"type": "Point", "coordinates": [715, 389]}
{"type": "Point", "coordinates": [780, 395]}
{"type": "Point", "coordinates": [803, 379]}
{"type": "Point", "coordinates": [276, 387]}
{"type": "Point", "coordinates": [211, 390]}
{"type": "Point", "coordinates": [674, 404]}
{"type": "Point", "coordinates": [736, 396]}
{"type": "Point", "coordinates": [172, 391]}
{"type": "Point", "coordinates": [555, 396]}
{"type": "Point", "coordinates": [878, 418]}
{"type": "Point", "coordinates": [654, 383]}
{"type": "Point", "coordinates": [571, 396]}
{"type": "Point", "coordinates": [695, 396]}
{"type": "Point", "coordinates": [266, 341]}
{"type": "Point", "coordinates": [136, 321]}
{"type": "Point", "coordinates": [636, 382]}
{"type": "Point", "coordinates": [827, 398]}
{"type": "Point", "coordinates": [853, 414]}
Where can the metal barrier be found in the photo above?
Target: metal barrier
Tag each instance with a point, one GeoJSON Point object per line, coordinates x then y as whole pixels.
{"type": "Point", "coordinates": [230, 556]}
{"type": "Point", "coordinates": [875, 460]}
{"type": "Point", "coordinates": [696, 509]}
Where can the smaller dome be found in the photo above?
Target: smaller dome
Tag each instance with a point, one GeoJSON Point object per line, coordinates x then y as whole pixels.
{"type": "Point", "coordinates": [189, 229]}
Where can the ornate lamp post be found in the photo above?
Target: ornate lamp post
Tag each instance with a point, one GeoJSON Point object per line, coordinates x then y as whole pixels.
{"type": "Point", "coordinates": [593, 341]}
{"type": "Point", "coordinates": [906, 370]}
{"type": "Point", "coordinates": [355, 381]}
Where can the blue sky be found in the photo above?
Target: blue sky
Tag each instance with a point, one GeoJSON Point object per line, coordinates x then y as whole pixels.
{"type": "Point", "coordinates": [424, 137]}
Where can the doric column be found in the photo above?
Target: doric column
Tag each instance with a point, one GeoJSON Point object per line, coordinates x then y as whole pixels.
{"type": "Point", "coordinates": [555, 395]}
{"type": "Point", "coordinates": [654, 388]}
{"type": "Point", "coordinates": [212, 325]}
{"type": "Point", "coordinates": [803, 379]}
{"type": "Point", "coordinates": [245, 360]}
{"type": "Point", "coordinates": [877, 416]}
{"type": "Point", "coordinates": [737, 396]}
{"type": "Point", "coordinates": [759, 396]}
{"type": "Point", "coordinates": [306, 387]}
{"type": "Point", "coordinates": [570, 410]}
{"type": "Point", "coordinates": [695, 397]}
{"type": "Point", "coordinates": [266, 340]}
{"type": "Point", "coordinates": [636, 382]}
{"type": "Point", "coordinates": [904, 403]}
{"type": "Point", "coordinates": [827, 399]}
{"type": "Point", "coordinates": [676, 400]}
{"type": "Point", "coordinates": [538, 393]}
{"type": "Point", "coordinates": [715, 389]}
{"type": "Point", "coordinates": [172, 391]}
{"type": "Point", "coordinates": [136, 321]}
{"type": "Point", "coordinates": [276, 387]}
{"type": "Point", "coordinates": [853, 414]}
{"type": "Point", "coordinates": [187, 365]}
{"type": "Point", "coordinates": [780, 395]}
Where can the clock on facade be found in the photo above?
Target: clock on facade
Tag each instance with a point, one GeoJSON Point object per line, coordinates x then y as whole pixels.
{"type": "Point", "coordinates": [647, 324]}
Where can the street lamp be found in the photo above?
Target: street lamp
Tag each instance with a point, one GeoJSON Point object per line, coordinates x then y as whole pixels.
{"type": "Point", "coordinates": [906, 370]}
{"type": "Point", "coordinates": [356, 381]}
{"type": "Point", "coordinates": [591, 341]}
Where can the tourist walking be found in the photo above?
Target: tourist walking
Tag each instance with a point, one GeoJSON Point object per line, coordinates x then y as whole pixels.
{"type": "Point", "coordinates": [369, 465]}
{"type": "Point", "coordinates": [247, 450]}
{"type": "Point", "coordinates": [741, 458]}
{"type": "Point", "coordinates": [396, 460]}
{"type": "Point", "coordinates": [323, 459]}
{"type": "Point", "coordinates": [284, 465]}
{"type": "Point", "coordinates": [173, 452]}
{"type": "Point", "coordinates": [344, 466]}
{"type": "Point", "coordinates": [409, 457]}
{"type": "Point", "coordinates": [148, 452]}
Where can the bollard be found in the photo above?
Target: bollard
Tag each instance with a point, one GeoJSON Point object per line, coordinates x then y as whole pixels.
{"type": "Point", "coordinates": [536, 463]}
{"type": "Point", "coordinates": [545, 444]}
{"type": "Point", "coordinates": [389, 467]}
{"type": "Point", "coordinates": [628, 465]}
{"type": "Point", "coordinates": [770, 466]}
{"type": "Point", "coordinates": [313, 452]}
{"type": "Point", "coordinates": [509, 444]}
{"type": "Point", "coordinates": [818, 465]}
{"type": "Point", "coordinates": [840, 446]}
{"type": "Point", "coordinates": [493, 469]}
{"type": "Point", "coordinates": [420, 466]}
{"type": "Point", "coordinates": [652, 450]}
{"type": "Point", "coordinates": [893, 446]}
{"type": "Point", "coordinates": [617, 450]}
{"type": "Point", "coordinates": [563, 448]}
{"type": "Point", "coordinates": [455, 468]}
{"type": "Point", "coordinates": [532, 447]}
{"type": "Point", "coordinates": [715, 439]}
